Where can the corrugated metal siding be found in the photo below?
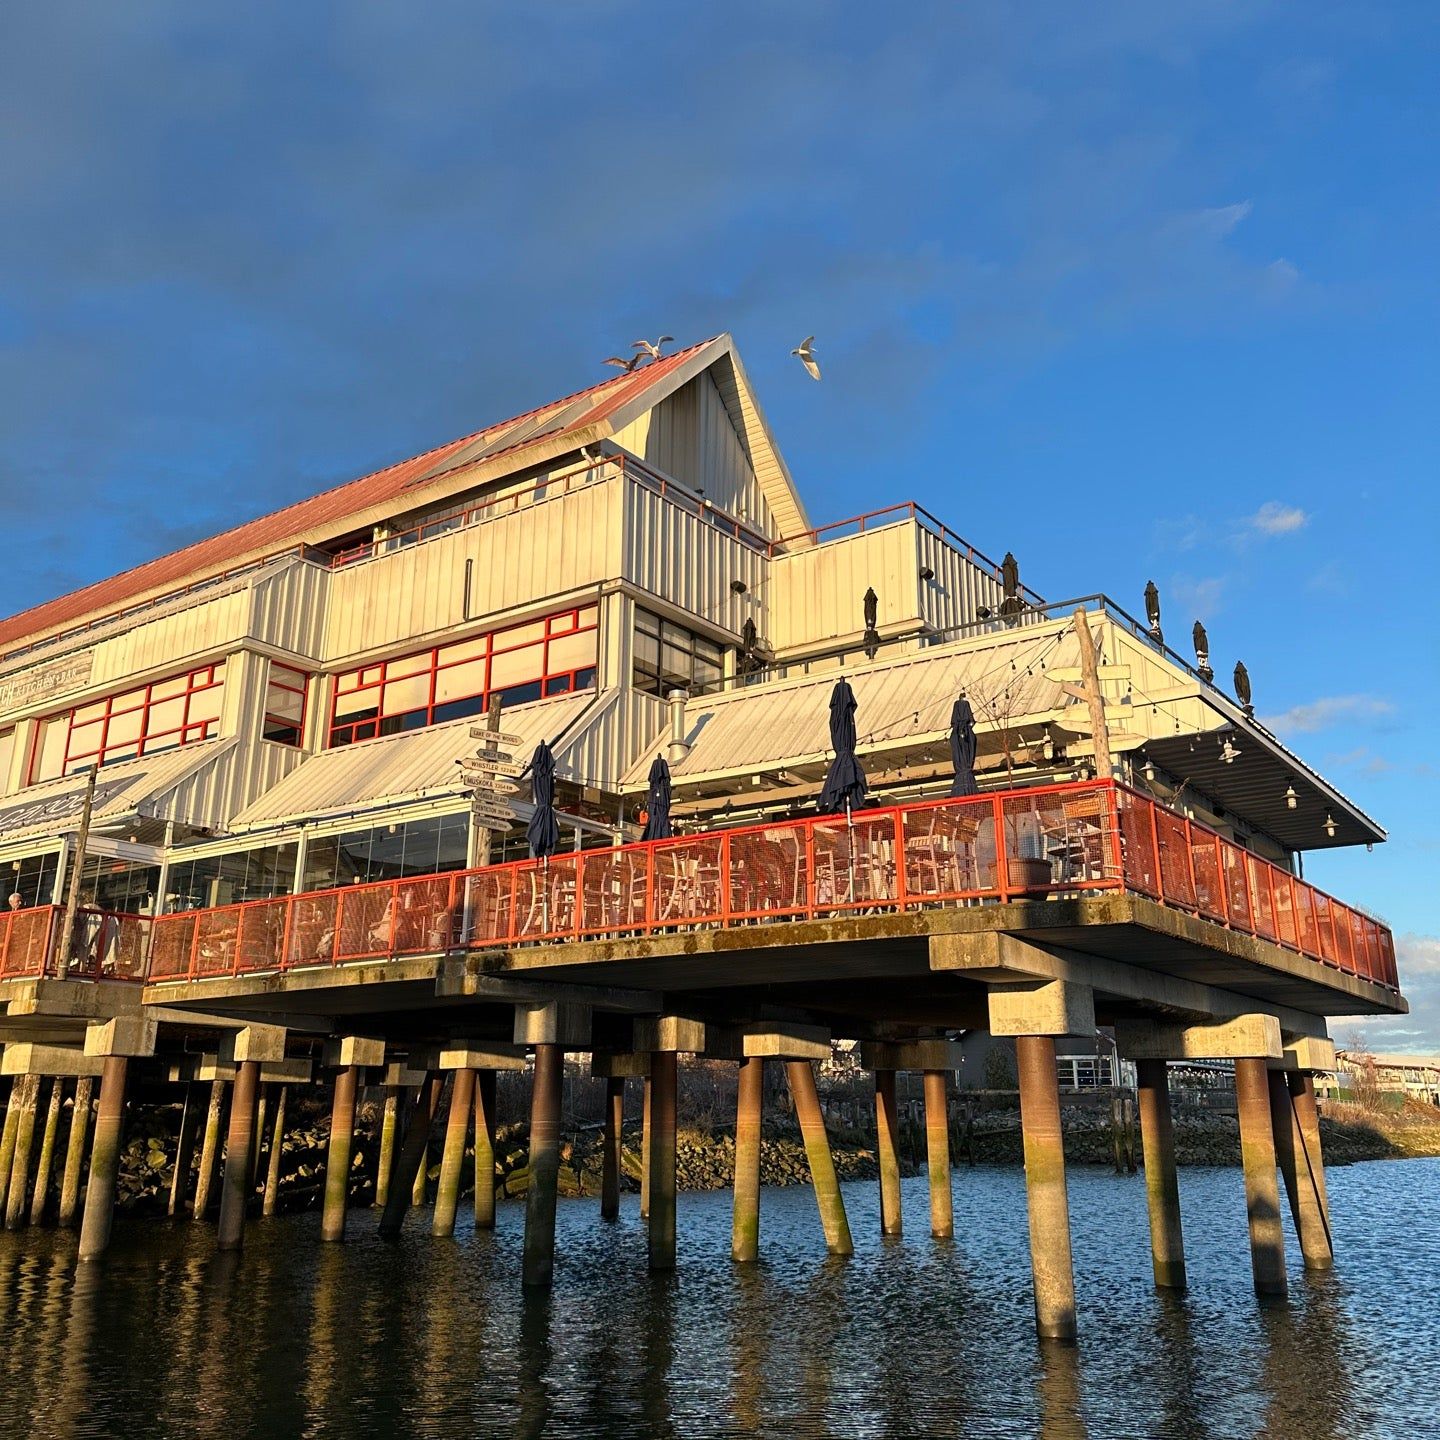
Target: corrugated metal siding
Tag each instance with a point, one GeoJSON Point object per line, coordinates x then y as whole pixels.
{"type": "Point", "coordinates": [167, 643]}
{"type": "Point", "coordinates": [818, 594]}
{"type": "Point", "coordinates": [399, 766]}
{"type": "Point", "coordinates": [288, 607]}
{"type": "Point", "coordinates": [960, 586]}
{"type": "Point", "coordinates": [788, 723]}
{"type": "Point", "coordinates": [210, 796]}
{"type": "Point", "coordinates": [676, 555]}
{"type": "Point", "coordinates": [623, 727]}
{"type": "Point", "coordinates": [569, 543]}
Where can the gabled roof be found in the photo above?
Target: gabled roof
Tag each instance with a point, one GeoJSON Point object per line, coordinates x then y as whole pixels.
{"type": "Point", "coordinates": [547, 431]}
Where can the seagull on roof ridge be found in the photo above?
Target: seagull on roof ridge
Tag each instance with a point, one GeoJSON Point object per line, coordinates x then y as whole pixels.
{"type": "Point", "coordinates": [806, 358]}
{"type": "Point", "coordinates": [627, 365]}
{"type": "Point", "coordinates": [651, 348]}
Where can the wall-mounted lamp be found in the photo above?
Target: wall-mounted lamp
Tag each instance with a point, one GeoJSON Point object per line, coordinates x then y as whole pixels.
{"type": "Point", "coordinates": [1291, 798]}
{"type": "Point", "coordinates": [738, 587]}
{"type": "Point", "coordinates": [983, 612]}
{"type": "Point", "coordinates": [926, 573]}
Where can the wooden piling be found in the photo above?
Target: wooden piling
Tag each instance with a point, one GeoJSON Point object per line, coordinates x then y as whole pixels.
{"type": "Point", "coordinates": [452, 1159]}
{"type": "Point", "coordinates": [7, 1139]}
{"type": "Point", "coordinates": [611, 1142]}
{"type": "Point", "coordinates": [661, 1167]}
{"type": "Point", "coordinates": [645, 1089]}
{"type": "Point", "coordinates": [104, 1159]}
{"type": "Point", "coordinates": [271, 1202]}
{"type": "Point", "coordinates": [1311, 1165]}
{"type": "Point", "coordinates": [184, 1148]}
{"type": "Point", "coordinates": [412, 1154]}
{"type": "Point", "coordinates": [75, 1150]}
{"type": "Point", "coordinates": [1162, 1186]}
{"type": "Point", "coordinates": [828, 1198]}
{"type": "Point", "coordinates": [887, 1153]}
{"type": "Point", "coordinates": [257, 1135]}
{"type": "Point", "coordinates": [749, 1123]}
{"type": "Point", "coordinates": [1292, 1151]}
{"type": "Point", "coordinates": [485, 1150]}
{"type": "Point", "coordinates": [27, 1096]}
{"type": "Point", "coordinates": [1262, 1191]}
{"type": "Point", "coordinates": [209, 1150]}
{"type": "Point", "coordinates": [389, 1123]}
{"type": "Point", "coordinates": [339, 1152]}
{"type": "Point", "coordinates": [539, 1260]}
{"type": "Point", "coordinates": [236, 1184]}
{"type": "Point", "coordinates": [937, 1153]}
{"type": "Point", "coordinates": [47, 1152]}
{"type": "Point", "coordinates": [1048, 1204]}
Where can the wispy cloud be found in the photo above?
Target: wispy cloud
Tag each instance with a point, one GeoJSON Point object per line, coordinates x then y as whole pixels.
{"type": "Point", "coordinates": [1275, 518]}
{"type": "Point", "coordinates": [1198, 596]}
{"type": "Point", "coordinates": [1417, 958]}
{"type": "Point", "coordinates": [1329, 710]}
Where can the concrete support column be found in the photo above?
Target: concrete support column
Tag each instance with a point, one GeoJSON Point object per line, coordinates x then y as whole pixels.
{"type": "Point", "coordinates": [645, 1149]}
{"type": "Point", "coordinates": [272, 1170]}
{"type": "Point", "coordinates": [539, 1259]}
{"type": "Point", "coordinates": [47, 1151]}
{"type": "Point", "coordinates": [660, 1158]}
{"type": "Point", "coordinates": [337, 1155]}
{"type": "Point", "coordinates": [749, 1119]}
{"type": "Point", "coordinates": [937, 1151]}
{"type": "Point", "coordinates": [75, 1150]}
{"type": "Point", "coordinates": [1049, 1207]}
{"type": "Point", "coordinates": [104, 1159]}
{"type": "Point", "coordinates": [184, 1148]}
{"type": "Point", "coordinates": [389, 1123]}
{"type": "Point", "coordinates": [1291, 1152]}
{"type": "Point", "coordinates": [452, 1160]}
{"type": "Point", "coordinates": [1162, 1188]}
{"type": "Point", "coordinates": [1310, 1169]}
{"type": "Point", "coordinates": [7, 1138]}
{"type": "Point", "coordinates": [412, 1154]}
{"type": "Point", "coordinates": [209, 1150]}
{"type": "Point", "coordinates": [485, 1150]}
{"type": "Point", "coordinates": [887, 1152]}
{"type": "Point", "coordinates": [828, 1199]}
{"type": "Point", "coordinates": [1262, 1191]}
{"type": "Point", "coordinates": [239, 1145]}
{"type": "Point", "coordinates": [611, 1142]}
{"type": "Point", "coordinates": [25, 1099]}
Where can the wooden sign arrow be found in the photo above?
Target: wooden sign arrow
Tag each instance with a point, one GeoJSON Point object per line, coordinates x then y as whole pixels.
{"type": "Point", "coordinates": [494, 785]}
{"type": "Point", "coordinates": [478, 766]}
{"type": "Point", "coordinates": [492, 810]}
{"type": "Point", "coordinates": [495, 737]}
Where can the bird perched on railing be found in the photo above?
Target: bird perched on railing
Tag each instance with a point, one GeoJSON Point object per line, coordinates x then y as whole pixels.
{"type": "Point", "coordinates": [807, 358]}
{"type": "Point", "coordinates": [652, 348]}
{"type": "Point", "coordinates": [626, 365]}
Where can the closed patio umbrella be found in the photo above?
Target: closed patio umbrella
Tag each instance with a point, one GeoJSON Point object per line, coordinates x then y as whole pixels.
{"type": "Point", "coordinates": [844, 787]}
{"type": "Point", "coordinates": [963, 748]}
{"type": "Point", "coordinates": [657, 803]}
{"type": "Point", "coordinates": [543, 832]}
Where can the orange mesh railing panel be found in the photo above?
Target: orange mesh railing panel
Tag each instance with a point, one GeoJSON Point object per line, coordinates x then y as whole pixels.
{"type": "Point", "coordinates": [949, 850]}
{"type": "Point", "coordinates": [25, 941]}
{"type": "Point", "coordinates": [1209, 883]}
{"type": "Point", "coordinates": [1173, 837]}
{"type": "Point", "coordinates": [769, 872]}
{"type": "Point", "coordinates": [171, 940]}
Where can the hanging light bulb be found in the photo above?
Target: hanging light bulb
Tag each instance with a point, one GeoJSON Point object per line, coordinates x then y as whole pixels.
{"type": "Point", "coordinates": [1291, 798]}
{"type": "Point", "coordinates": [1228, 753]}
{"type": "Point", "coordinates": [1330, 826]}
{"type": "Point", "coordinates": [1149, 771]}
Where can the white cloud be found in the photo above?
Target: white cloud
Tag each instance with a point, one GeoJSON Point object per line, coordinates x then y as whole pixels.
{"type": "Point", "coordinates": [1417, 957]}
{"type": "Point", "coordinates": [1327, 711]}
{"type": "Point", "coordinates": [1199, 596]}
{"type": "Point", "coordinates": [1273, 518]}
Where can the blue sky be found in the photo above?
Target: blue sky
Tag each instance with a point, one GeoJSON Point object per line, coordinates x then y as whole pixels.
{"type": "Point", "coordinates": [1136, 291]}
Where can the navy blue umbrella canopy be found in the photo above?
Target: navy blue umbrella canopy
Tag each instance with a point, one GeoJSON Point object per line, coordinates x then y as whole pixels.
{"type": "Point", "coordinates": [657, 803]}
{"type": "Point", "coordinates": [844, 787]}
{"type": "Point", "coordinates": [963, 746]}
{"type": "Point", "coordinates": [543, 832]}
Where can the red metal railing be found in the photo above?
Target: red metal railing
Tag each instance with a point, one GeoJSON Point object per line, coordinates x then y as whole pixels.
{"type": "Point", "coordinates": [107, 945]}
{"type": "Point", "coordinates": [1033, 843]}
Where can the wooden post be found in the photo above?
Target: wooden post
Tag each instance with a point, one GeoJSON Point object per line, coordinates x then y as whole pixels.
{"type": "Point", "coordinates": [272, 1170]}
{"type": "Point", "coordinates": [47, 1152]}
{"type": "Point", "coordinates": [7, 1139]}
{"type": "Point", "coordinates": [412, 1154]}
{"type": "Point", "coordinates": [1300, 1188]}
{"type": "Point", "coordinates": [828, 1198]}
{"type": "Point", "coordinates": [661, 1158]}
{"type": "Point", "coordinates": [184, 1149]}
{"type": "Point", "coordinates": [239, 1143]}
{"type": "Point", "coordinates": [887, 1126]}
{"type": "Point", "coordinates": [1262, 1192]}
{"type": "Point", "coordinates": [209, 1150]}
{"type": "Point", "coordinates": [749, 1122]}
{"type": "Point", "coordinates": [75, 1150]}
{"type": "Point", "coordinates": [1090, 683]}
{"type": "Point", "coordinates": [27, 1096]}
{"type": "Point", "coordinates": [65, 941]}
{"type": "Point", "coordinates": [452, 1159]}
{"type": "Point", "coordinates": [338, 1153]}
{"type": "Point", "coordinates": [539, 1259]}
{"type": "Point", "coordinates": [937, 1150]}
{"type": "Point", "coordinates": [389, 1123]}
{"type": "Point", "coordinates": [485, 1150]}
{"type": "Point", "coordinates": [645, 1149]}
{"type": "Point", "coordinates": [1162, 1188]}
{"type": "Point", "coordinates": [257, 1141]}
{"type": "Point", "coordinates": [611, 1143]}
{"type": "Point", "coordinates": [1311, 1170]}
{"type": "Point", "coordinates": [1049, 1207]}
{"type": "Point", "coordinates": [104, 1159]}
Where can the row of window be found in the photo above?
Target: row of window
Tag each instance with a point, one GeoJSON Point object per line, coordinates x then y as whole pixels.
{"type": "Point", "coordinates": [670, 657]}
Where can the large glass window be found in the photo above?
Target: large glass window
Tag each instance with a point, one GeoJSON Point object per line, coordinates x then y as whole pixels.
{"type": "Point", "coordinates": [525, 662]}
{"type": "Point", "coordinates": [285, 704]}
{"type": "Point", "coordinates": [258, 874]}
{"type": "Point", "coordinates": [386, 852]}
{"type": "Point", "coordinates": [178, 711]}
{"type": "Point", "coordinates": [108, 884]}
{"type": "Point", "coordinates": [33, 879]}
{"type": "Point", "coordinates": [670, 657]}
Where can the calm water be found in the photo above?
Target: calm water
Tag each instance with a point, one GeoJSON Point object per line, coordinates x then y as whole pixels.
{"type": "Point", "coordinates": [909, 1338]}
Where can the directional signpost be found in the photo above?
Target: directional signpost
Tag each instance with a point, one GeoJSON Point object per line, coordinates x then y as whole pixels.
{"type": "Point", "coordinates": [490, 774]}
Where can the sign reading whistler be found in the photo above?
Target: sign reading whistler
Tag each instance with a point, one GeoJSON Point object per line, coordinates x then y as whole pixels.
{"type": "Point", "coordinates": [52, 679]}
{"type": "Point", "coordinates": [61, 807]}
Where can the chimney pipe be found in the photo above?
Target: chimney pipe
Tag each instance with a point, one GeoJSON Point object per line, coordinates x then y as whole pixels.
{"type": "Point", "coordinates": [679, 747]}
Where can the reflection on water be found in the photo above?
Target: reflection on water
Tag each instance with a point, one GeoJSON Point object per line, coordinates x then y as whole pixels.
{"type": "Point", "coordinates": [908, 1338]}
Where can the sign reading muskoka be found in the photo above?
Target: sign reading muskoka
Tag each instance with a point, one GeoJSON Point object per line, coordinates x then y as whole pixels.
{"type": "Point", "coordinates": [44, 680]}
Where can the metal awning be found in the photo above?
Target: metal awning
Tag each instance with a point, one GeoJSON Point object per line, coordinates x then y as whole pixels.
{"type": "Point", "coordinates": [396, 769]}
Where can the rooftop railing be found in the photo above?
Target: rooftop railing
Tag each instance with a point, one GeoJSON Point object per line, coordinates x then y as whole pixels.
{"type": "Point", "coordinates": [1031, 844]}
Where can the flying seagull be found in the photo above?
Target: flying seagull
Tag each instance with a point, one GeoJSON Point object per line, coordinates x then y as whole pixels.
{"type": "Point", "coordinates": [651, 348]}
{"type": "Point", "coordinates": [807, 359]}
{"type": "Point", "coordinates": [626, 365]}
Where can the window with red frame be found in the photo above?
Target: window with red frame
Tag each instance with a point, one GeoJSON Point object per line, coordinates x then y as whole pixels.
{"type": "Point", "coordinates": [285, 692]}
{"type": "Point", "coordinates": [520, 663]}
{"type": "Point", "coordinates": [180, 710]}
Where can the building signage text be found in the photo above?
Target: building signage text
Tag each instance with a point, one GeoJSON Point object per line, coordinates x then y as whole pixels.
{"type": "Point", "coordinates": [52, 679]}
